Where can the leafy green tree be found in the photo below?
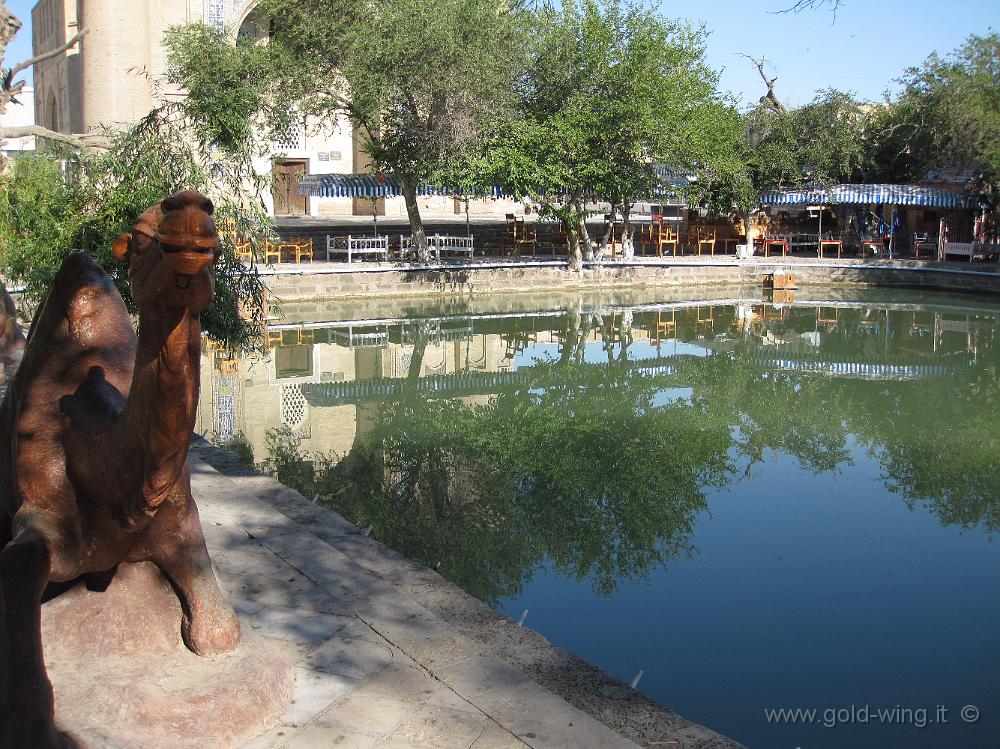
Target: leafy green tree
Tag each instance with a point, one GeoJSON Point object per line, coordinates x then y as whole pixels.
{"type": "Point", "coordinates": [820, 142]}
{"type": "Point", "coordinates": [420, 78]}
{"type": "Point", "coordinates": [69, 198]}
{"type": "Point", "coordinates": [612, 92]}
{"type": "Point", "coordinates": [947, 115]}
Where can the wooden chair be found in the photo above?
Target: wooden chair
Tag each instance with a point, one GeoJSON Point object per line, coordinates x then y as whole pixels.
{"type": "Point", "coordinates": [666, 237]}
{"type": "Point", "coordinates": [831, 243]}
{"type": "Point", "coordinates": [273, 338]}
{"type": "Point", "coordinates": [244, 250]}
{"type": "Point", "coordinates": [875, 245]}
{"type": "Point", "coordinates": [524, 237]}
{"type": "Point", "coordinates": [706, 238]}
{"type": "Point", "coordinates": [823, 319]}
{"type": "Point", "coordinates": [272, 250]}
{"type": "Point", "coordinates": [663, 328]}
{"type": "Point", "coordinates": [226, 227]}
{"type": "Point", "coordinates": [299, 248]}
{"type": "Point", "coordinates": [508, 242]}
{"type": "Point", "coordinates": [922, 241]}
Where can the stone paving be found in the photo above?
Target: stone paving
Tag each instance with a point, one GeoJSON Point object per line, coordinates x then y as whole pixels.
{"type": "Point", "coordinates": [374, 667]}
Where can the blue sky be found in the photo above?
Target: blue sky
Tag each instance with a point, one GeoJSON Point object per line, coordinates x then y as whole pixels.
{"type": "Point", "coordinates": [867, 46]}
{"type": "Point", "coordinates": [862, 50]}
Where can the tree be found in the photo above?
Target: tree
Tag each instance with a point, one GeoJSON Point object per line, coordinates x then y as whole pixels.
{"type": "Point", "coordinates": [947, 115]}
{"type": "Point", "coordinates": [420, 78]}
{"type": "Point", "coordinates": [820, 142]}
{"type": "Point", "coordinates": [613, 94]}
{"type": "Point", "coordinates": [68, 198]}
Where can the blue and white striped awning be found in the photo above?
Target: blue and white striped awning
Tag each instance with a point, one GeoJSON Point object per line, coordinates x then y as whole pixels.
{"type": "Point", "coordinates": [366, 186]}
{"type": "Point", "coordinates": [903, 195]}
{"type": "Point", "coordinates": [387, 186]}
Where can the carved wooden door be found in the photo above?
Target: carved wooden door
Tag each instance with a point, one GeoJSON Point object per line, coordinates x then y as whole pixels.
{"type": "Point", "coordinates": [285, 188]}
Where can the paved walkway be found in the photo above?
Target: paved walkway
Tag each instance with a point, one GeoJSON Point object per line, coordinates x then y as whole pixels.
{"type": "Point", "coordinates": [375, 668]}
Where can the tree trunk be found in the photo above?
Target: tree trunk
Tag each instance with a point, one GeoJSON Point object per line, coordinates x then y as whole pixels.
{"type": "Point", "coordinates": [751, 231]}
{"type": "Point", "coordinates": [572, 335]}
{"type": "Point", "coordinates": [416, 223]}
{"type": "Point", "coordinates": [584, 245]}
{"type": "Point", "coordinates": [628, 248]}
{"type": "Point", "coordinates": [602, 248]}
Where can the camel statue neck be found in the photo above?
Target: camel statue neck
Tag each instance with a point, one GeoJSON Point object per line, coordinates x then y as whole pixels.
{"type": "Point", "coordinates": [160, 412]}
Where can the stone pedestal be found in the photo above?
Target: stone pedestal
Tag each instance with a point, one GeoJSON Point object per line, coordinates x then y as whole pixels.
{"type": "Point", "coordinates": [123, 678]}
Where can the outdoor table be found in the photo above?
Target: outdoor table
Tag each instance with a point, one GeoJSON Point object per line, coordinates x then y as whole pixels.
{"type": "Point", "coordinates": [875, 245]}
{"type": "Point", "coordinates": [930, 243]}
{"type": "Point", "coordinates": [782, 243]}
{"type": "Point", "coordinates": [823, 243]}
{"type": "Point", "coordinates": [729, 241]}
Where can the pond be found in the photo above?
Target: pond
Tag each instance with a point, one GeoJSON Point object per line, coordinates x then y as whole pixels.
{"type": "Point", "coordinates": [763, 506]}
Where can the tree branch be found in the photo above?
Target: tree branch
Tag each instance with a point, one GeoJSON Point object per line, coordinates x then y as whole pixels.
{"type": "Point", "coordinates": [770, 98]}
{"type": "Point", "coordinates": [37, 131]}
{"type": "Point", "coordinates": [801, 5]}
{"type": "Point", "coordinates": [22, 66]}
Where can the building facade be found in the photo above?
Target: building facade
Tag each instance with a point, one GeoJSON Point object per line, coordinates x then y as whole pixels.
{"type": "Point", "coordinates": [110, 78]}
{"type": "Point", "coordinates": [19, 115]}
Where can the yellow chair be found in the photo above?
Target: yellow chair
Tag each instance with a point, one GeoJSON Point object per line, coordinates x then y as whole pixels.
{"type": "Point", "coordinates": [706, 239]}
{"type": "Point", "coordinates": [299, 248]}
{"type": "Point", "coordinates": [272, 250]}
{"type": "Point", "coordinates": [524, 237]}
{"type": "Point", "coordinates": [666, 237]}
{"type": "Point", "coordinates": [244, 250]}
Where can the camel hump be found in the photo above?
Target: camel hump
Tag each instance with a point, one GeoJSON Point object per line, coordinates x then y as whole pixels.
{"type": "Point", "coordinates": [81, 294]}
{"type": "Point", "coordinates": [81, 322]}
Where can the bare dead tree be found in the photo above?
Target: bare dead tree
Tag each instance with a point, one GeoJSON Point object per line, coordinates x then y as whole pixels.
{"type": "Point", "coordinates": [769, 99]}
{"type": "Point", "coordinates": [801, 5]}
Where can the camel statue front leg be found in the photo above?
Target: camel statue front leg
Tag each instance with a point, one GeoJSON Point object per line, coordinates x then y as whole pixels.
{"type": "Point", "coordinates": [26, 699]}
{"type": "Point", "coordinates": [209, 625]}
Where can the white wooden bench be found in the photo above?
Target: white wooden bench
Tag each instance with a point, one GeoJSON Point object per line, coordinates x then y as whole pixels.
{"type": "Point", "coordinates": [453, 245]}
{"type": "Point", "coordinates": [352, 246]}
{"type": "Point", "coordinates": [437, 244]}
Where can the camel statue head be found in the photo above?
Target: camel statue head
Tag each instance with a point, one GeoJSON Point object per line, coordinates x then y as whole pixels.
{"type": "Point", "coordinates": [170, 252]}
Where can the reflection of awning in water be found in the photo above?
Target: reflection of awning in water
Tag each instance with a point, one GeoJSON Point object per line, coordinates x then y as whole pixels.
{"type": "Point", "coordinates": [490, 383]}
{"type": "Point", "coordinates": [858, 370]}
{"type": "Point", "coordinates": [907, 195]}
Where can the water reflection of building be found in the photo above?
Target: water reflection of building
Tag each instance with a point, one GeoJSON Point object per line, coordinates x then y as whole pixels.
{"type": "Point", "coordinates": [345, 370]}
{"type": "Point", "coordinates": [249, 396]}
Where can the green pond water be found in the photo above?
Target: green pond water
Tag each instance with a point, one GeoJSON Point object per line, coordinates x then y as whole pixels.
{"type": "Point", "coordinates": [760, 506]}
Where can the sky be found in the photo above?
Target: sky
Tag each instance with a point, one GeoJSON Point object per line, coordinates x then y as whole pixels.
{"type": "Point", "coordinates": [861, 50]}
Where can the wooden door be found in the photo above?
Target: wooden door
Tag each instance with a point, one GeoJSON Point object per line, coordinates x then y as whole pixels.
{"type": "Point", "coordinates": [285, 188]}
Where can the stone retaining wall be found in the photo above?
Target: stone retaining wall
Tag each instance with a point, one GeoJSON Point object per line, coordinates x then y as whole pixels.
{"type": "Point", "coordinates": [457, 280]}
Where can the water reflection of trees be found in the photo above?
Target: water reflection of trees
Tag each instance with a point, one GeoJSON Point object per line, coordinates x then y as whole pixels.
{"type": "Point", "coordinates": [591, 468]}
{"type": "Point", "coordinates": [586, 473]}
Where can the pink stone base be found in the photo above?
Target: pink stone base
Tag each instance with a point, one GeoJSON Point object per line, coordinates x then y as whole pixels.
{"type": "Point", "coordinates": [123, 678]}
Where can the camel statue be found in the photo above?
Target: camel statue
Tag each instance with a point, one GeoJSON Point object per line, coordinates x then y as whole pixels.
{"type": "Point", "coordinates": [94, 436]}
{"type": "Point", "coordinates": [12, 343]}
